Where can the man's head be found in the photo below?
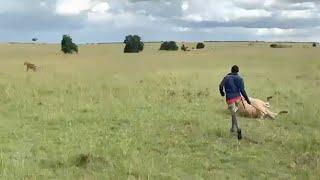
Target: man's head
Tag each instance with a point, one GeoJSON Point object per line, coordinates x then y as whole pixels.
{"type": "Point", "coordinates": [235, 69]}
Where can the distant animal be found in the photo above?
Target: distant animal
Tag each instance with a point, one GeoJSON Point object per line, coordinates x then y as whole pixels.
{"type": "Point", "coordinates": [257, 109]}
{"type": "Point", "coordinates": [31, 66]}
{"type": "Point", "coordinates": [184, 48]}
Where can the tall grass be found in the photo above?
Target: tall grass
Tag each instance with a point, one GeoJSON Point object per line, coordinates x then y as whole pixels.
{"type": "Point", "coordinates": [103, 114]}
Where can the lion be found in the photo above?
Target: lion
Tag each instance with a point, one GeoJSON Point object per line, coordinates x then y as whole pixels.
{"type": "Point", "coordinates": [31, 66]}
{"type": "Point", "coordinates": [257, 109]}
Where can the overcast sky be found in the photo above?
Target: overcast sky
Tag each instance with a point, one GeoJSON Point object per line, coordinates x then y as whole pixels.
{"type": "Point", "coordinates": [153, 20]}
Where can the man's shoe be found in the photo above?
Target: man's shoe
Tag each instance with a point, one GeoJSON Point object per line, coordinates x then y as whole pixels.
{"type": "Point", "coordinates": [239, 134]}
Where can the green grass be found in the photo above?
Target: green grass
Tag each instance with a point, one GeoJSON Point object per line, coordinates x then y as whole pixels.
{"type": "Point", "coordinates": [103, 114]}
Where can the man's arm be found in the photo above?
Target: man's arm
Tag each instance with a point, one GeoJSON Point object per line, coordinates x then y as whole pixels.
{"type": "Point", "coordinates": [221, 86]}
{"type": "Point", "coordinates": [243, 91]}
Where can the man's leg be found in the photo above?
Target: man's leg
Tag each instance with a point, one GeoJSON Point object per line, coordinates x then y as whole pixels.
{"type": "Point", "coordinates": [234, 122]}
{"type": "Point", "coordinates": [238, 129]}
{"type": "Point", "coordinates": [232, 129]}
{"type": "Point", "coordinates": [233, 109]}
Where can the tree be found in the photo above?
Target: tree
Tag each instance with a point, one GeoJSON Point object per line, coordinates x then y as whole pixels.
{"type": "Point", "coordinates": [200, 45]}
{"type": "Point", "coordinates": [314, 44]}
{"type": "Point", "coordinates": [133, 44]}
{"type": "Point", "coordinates": [274, 45]}
{"type": "Point", "coordinates": [169, 46]}
{"type": "Point", "coordinates": [67, 46]}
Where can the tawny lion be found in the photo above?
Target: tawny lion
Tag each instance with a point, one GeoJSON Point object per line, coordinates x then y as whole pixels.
{"type": "Point", "coordinates": [31, 66]}
{"type": "Point", "coordinates": [257, 109]}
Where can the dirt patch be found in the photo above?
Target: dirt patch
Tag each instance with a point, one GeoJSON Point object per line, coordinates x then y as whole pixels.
{"type": "Point", "coordinates": [88, 160]}
{"type": "Point", "coordinates": [306, 160]}
{"type": "Point", "coordinates": [85, 161]}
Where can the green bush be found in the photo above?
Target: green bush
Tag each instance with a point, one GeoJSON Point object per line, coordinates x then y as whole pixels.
{"type": "Point", "coordinates": [133, 44]}
{"type": "Point", "coordinates": [200, 45]}
{"type": "Point", "coordinates": [314, 44]}
{"type": "Point", "coordinates": [67, 46]}
{"type": "Point", "coordinates": [279, 46]}
{"type": "Point", "coordinates": [169, 46]}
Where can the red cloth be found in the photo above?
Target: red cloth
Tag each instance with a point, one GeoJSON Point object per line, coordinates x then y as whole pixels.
{"type": "Point", "coordinates": [233, 100]}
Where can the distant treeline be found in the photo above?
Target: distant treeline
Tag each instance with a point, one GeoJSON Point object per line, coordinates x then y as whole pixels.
{"type": "Point", "coordinates": [119, 42]}
{"type": "Point", "coordinates": [258, 42]}
{"type": "Point", "coordinates": [134, 44]}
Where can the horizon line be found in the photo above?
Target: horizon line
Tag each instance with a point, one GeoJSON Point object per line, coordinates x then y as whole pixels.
{"type": "Point", "coordinates": [121, 42]}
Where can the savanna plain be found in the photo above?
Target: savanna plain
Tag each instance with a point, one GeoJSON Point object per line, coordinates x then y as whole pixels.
{"type": "Point", "coordinates": [103, 114]}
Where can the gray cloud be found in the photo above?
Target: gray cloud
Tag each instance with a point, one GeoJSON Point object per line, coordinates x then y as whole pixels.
{"type": "Point", "coordinates": [36, 22]}
{"type": "Point", "coordinates": [162, 20]}
{"type": "Point", "coordinates": [268, 22]}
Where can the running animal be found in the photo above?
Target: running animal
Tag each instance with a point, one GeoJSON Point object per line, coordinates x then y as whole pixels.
{"type": "Point", "coordinates": [31, 66]}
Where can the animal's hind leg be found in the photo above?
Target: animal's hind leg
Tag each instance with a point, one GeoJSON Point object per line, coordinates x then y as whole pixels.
{"type": "Point", "coordinates": [271, 115]}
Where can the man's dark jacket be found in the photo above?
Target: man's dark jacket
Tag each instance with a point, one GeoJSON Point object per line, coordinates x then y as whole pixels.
{"type": "Point", "coordinates": [234, 87]}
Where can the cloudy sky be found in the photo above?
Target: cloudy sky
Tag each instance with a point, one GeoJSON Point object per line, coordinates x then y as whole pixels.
{"type": "Point", "coordinates": [181, 20]}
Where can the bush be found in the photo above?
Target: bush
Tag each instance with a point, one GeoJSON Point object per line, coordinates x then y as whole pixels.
{"type": "Point", "coordinates": [169, 46]}
{"type": "Point", "coordinates": [279, 46]}
{"type": "Point", "coordinates": [314, 44]}
{"type": "Point", "coordinates": [200, 45]}
{"type": "Point", "coordinates": [133, 44]}
{"type": "Point", "coordinates": [273, 45]}
{"type": "Point", "coordinates": [67, 46]}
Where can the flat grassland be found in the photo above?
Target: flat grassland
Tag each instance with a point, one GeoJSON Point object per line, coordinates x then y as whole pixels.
{"type": "Point", "coordinates": [103, 114]}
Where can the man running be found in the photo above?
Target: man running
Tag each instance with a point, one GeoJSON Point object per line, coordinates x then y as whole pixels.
{"type": "Point", "coordinates": [232, 86]}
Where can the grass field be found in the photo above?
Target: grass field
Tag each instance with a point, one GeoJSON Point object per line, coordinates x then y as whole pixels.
{"type": "Point", "coordinates": [103, 114]}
